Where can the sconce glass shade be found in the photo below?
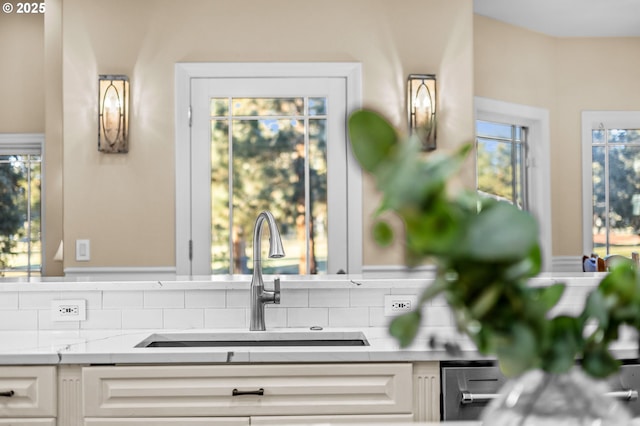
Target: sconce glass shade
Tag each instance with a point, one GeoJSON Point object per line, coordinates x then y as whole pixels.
{"type": "Point", "coordinates": [113, 113]}
{"type": "Point", "coordinates": [421, 108]}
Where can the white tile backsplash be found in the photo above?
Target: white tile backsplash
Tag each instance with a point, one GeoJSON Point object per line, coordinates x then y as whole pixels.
{"type": "Point", "coordinates": [9, 300]}
{"type": "Point", "coordinates": [37, 299]}
{"type": "Point", "coordinates": [308, 317]}
{"type": "Point", "coordinates": [142, 318]}
{"type": "Point", "coordinates": [19, 319]}
{"type": "Point", "coordinates": [294, 298]}
{"type": "Point", "coordinates": [183, 318]}
{"type": "Point", "coordinates": [45, 322]}
{"type": "Point", "coordinates": [327, 297]}
{"type": "Point", "coordinates": [205, 298]}
{"type": "Point", "coordinates": [225, 318]}
{"type": "Point", "coordinates": [102, 319]}
{"type": "Point", "coordinates": [220, 307]}
{"type": "Point", "coordinates": [368, 297]}
{"type": "Point", "coordinates": [122, 300]}
{"type": "Point", "coordinates": [164, 299]}
{"type": "Point", "coordinates": [237, 299]}
{"type": "Point", "coordinates": [349, 317]}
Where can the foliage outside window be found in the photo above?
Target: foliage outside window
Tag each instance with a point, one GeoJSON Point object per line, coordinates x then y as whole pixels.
{"type": "Point", "coordinates": [501, 162]}
{"type": "Point", "coordinates": [269, 154]}
{"type": "Point", "coordinates": [20, 215]}
{"type": "Point", "coordinates": [615, 173]}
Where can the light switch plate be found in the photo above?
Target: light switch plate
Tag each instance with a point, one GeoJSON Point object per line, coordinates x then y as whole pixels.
{"type": "Point", "coordinates": [83, 250]}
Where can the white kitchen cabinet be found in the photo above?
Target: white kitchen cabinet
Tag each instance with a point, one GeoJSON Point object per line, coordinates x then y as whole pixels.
{"type": "Point", "coordinates": [176, 421]}
{"type": "Point", "coordinates": [426, 391]}
{"type": "Point", "coordinates": [318, 420]}
{"type": "Point", "coordinates": [256, 390]}
{"type": "Point", "coordinates": [28, 395]}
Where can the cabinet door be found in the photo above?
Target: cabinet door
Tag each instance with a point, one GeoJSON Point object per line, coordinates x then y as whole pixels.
{"type": "Point", "coordinates": [246, 390]}
{"type": "Point", "coordinates": [27, 392]}
{"type": "Point", "coordinates": [176, 421]}
{"type": "Point", "coordinates": [385, 419]}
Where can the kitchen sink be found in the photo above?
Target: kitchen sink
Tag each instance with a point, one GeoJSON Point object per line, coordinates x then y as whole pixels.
{"type": "Point", "coordinates": [255, 338]}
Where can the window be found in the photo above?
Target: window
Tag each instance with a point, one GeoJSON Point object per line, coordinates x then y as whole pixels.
{"type": "Point", "coordinates": [501, 162]}
{"type": "Point", "coordinates": [259, 141]}
{"type": "Point", "coordinates": [611, 175]}
{"type": "Point", "coordinates": [512, 160]}
{"type": "Point", "coordinates": [20, 206]}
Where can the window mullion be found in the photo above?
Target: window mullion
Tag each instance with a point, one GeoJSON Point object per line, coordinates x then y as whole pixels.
{"type": "Point", "coordinates": [230, 182]}
{"type": "Point", "coordinates": [307, 189]}
{"type": "Point", "coordinates": [607, 214]}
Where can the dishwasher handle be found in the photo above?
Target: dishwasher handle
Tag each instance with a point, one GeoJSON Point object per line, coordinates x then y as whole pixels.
{"type": "Point", "coordinates": [470, 398]}
{"type": "Point", "coordinates": [624, 395]}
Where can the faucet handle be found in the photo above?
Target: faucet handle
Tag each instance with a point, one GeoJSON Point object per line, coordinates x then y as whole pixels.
{"type": "Point", "coordinates": [276, 290]}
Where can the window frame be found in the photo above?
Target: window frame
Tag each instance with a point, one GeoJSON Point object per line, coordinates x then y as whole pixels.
{"type": "Point", "coordinates": [31, 144]}
{"type": "Point", "coordinates": [185, 72]}
{"type": "Point", "coordinates": [538, 168]}
{"type": "Point", "coordinates": [591, 120]}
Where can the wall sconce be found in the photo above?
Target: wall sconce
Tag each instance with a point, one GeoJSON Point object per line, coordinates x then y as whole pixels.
{"type": "Point", "coordinates": [421, 108]}
{"type": "Point", "coordinates": [113, 113]}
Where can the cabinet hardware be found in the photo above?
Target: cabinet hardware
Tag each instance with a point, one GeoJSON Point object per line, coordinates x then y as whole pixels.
{"type": "Point", "coordinates": [237, 392]}
{"type": "Point", "coordinates": [8, 394]}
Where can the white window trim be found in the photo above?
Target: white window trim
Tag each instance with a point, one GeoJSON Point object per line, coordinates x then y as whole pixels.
{"type": "Point", "coordinates": [591, 120]}
{"type": "Point", "coordinates": [539, 173]}
{"type": "Point", "coordinates": [184, 72]}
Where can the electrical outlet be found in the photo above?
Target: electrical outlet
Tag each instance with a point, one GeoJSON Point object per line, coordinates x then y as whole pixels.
{"type": "Point", "coordinates": [396, 304]}
{"type": "Point", "coordinates": [69, 310]}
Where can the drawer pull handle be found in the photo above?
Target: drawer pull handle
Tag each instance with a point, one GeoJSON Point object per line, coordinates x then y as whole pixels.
{"type": "Point", "coordinates": [237, 392]}
{"type": "Point", "coordinates": [8, 394]}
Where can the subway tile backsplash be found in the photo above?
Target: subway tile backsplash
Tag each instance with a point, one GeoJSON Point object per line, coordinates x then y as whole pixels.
{"type": "Point", "coordinates": [169, 307]}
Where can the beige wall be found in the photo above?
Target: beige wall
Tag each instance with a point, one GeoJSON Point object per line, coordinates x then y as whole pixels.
{"type": "Point", "coordinates": [125, 203]}
{"type": "Point", "coordinates": [22, 73]}
{"type": "Point", "coordinates": [566, 76]}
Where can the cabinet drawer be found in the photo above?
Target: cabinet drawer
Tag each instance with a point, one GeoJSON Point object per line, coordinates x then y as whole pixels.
{"type": "Point", "coordinates": [282, 389]}
{"type": "Point", "coordinates": [33, 392]}
{"type": "Point", "coordinates": [27, 422]}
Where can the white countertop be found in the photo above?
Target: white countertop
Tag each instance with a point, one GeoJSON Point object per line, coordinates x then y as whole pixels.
{"type": "Point", "coordinates": [118, 347]}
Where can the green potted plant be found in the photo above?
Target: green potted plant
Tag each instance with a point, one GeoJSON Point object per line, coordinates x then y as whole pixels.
{"type": "Point", "coordinates": [485, 253]}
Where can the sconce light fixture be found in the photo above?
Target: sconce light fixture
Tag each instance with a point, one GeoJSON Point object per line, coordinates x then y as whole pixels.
{"type": "Point", "coordinates": [421, 108]}
{"type": "Point", "coordinates": [113, 113]}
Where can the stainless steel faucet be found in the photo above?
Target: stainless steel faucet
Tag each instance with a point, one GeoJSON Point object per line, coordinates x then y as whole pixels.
{"type": "Point", "coordinates": [260, 296]}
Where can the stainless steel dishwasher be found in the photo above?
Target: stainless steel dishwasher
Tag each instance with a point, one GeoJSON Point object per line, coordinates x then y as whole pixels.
{"type": "Point", "coordinates": [467, 387]}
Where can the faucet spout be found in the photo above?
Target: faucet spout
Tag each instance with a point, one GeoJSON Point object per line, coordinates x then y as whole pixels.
{"type": "Point", "coordinates": [260, 296]}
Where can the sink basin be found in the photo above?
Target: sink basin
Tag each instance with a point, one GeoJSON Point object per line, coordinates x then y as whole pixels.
{"type": "Point", "coordinates": [269, 338]}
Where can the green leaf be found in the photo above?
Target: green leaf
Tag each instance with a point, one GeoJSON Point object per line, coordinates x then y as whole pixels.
{"type": "Point", "coordinates": [549, 296]}
{"type": "Point", "coordinates": [598, 362]}
{"type": "Point", "coordinates": [405, 327]}
{"type": "Point", "coordinates": [372, 138]}
{"type": "Point", "coordinates": [437, 232]}
{"type": "Point", "coordinates": [595, 307]}
{"type": "Point", "coordinates": [566, 341]}
{"type": "Point", "coordinates": [486, 301]}
{"type": "Point", "coordinates": [500, 233]}
{"type": "Point", "coordinates": [382, 233]}
{"type": "Point", "coordinates": [517, 350]}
